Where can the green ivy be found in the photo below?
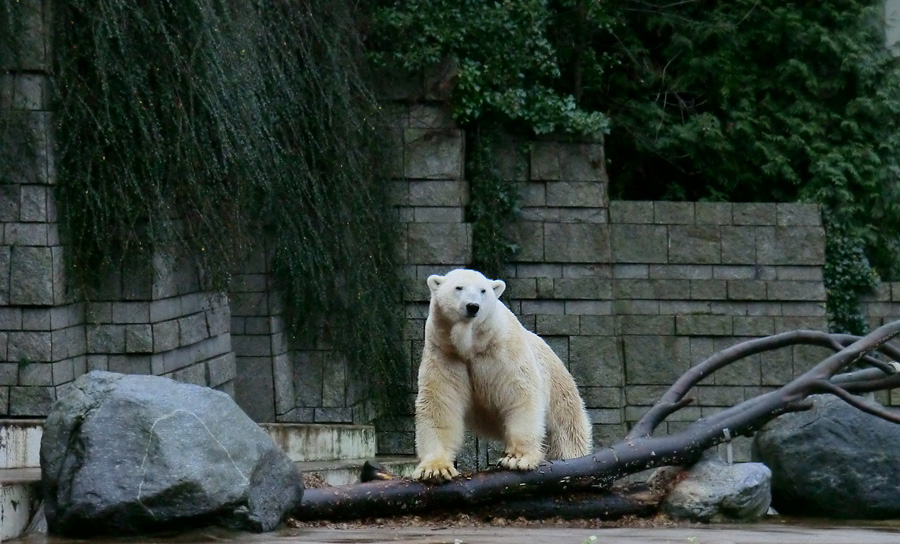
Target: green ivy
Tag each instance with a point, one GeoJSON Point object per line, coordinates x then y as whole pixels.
{"type": "Point", "coordinates": [504, 70]}
{"type": "Point", "coordinates": [210, 127]}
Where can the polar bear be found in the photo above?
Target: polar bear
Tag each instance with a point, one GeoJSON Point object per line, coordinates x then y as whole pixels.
{"type": "Point", "coordinates": [482, 370]}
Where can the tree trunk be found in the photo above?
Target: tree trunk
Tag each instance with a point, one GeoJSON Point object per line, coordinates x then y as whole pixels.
{"type": "Point", "coordinates": [639, 450]}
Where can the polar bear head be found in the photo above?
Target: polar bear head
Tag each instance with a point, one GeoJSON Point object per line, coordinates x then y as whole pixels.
{"type": "Point", "coordinates": [464, 294]}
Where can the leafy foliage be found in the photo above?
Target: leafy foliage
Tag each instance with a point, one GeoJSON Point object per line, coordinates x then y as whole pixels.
{"type": "Point", "coordinates": [506, 65]}
{"type": "Point", "coordinates": [214, 126]}
{"type": "Point", "coordinates": [752, 100]}
{"type": "Point", "coordinates": [741, 100]}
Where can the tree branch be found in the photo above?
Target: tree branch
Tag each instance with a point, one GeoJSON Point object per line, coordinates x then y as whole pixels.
{"type": "Point", "coordinates": [638, 451]}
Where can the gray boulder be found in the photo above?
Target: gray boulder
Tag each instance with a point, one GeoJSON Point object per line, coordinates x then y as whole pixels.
{"type": "Point", "coordinates": [832, 461]}
{"type": "Point", "coordinates": [713, 491]}
{"type": "Point", "coordinates": [126, 454]}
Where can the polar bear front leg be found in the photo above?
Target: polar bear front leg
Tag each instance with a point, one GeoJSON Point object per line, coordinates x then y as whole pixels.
{"type": "Point", "coordinates": [443, 398]}
{"type": "Point", "coordinates": [525, 429]}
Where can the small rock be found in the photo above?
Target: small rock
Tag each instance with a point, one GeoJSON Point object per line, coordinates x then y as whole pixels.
{"type": "Point", "coordinates": [713, 491]}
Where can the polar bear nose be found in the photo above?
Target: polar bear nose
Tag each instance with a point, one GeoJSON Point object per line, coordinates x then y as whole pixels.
{"type": "Point", "coordinates": [472, 309]}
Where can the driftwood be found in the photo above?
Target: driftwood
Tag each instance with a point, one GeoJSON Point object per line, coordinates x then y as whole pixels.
{"type": "Point", "coordinates": [640, 450]}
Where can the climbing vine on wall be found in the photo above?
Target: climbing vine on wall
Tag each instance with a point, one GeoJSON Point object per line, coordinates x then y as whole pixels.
{"type": "Point", "coordinates": [210, 126]}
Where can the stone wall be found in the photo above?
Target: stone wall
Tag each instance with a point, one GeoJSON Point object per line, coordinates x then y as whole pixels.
{"type": "Point", "coordinates": [153, 318]}
{"type": "Point", "coordinates": [628, 294]}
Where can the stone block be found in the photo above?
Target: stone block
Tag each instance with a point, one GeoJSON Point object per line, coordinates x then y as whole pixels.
{"type": "Point", "coordinates": [165, 336]}
{"type": "Point", "coordinates": [192, 329]}
{"type": "Point", "coordinates": [9, 373]}
{"type": "Point", "coordinates": [708, 289]}
{"type": "Point", "coordinates": [195, 375]}
{"type": "Point", "coordinates": [712, 395]}
{"type": "Point", "coordinates": [576, 194]}
{"type": "Point", "coordinates": [753, 325]}
{"type": "Point", "coordinates": [652, 289]}
{"type": "Point", "coordinates": [529, 237]}
{"type": "Point", "coordinates": [753, 213]}
{"type": "Point", "coordinates": [653, 246]}
{"type": "Point", "coordinates": [644, 395]}
{"type": "Point", "coordinates": [791, 246]}
{"type": "Point", "coordinates": [646, 325]}
{"type": "Point", "coordinates": [581, 271]}
{"type": "Point", "coordinates": [334, 415]}
{"type": "Point", "coordinates": [29, 347]}
{"type": "Point", "coordinates": [605, 416]}
{"type": "Point", "coordinates": [139, 338]}
{"type": "Point", "coordinates": [712, 213]}
{"type": "Point", "coordinates": [798, 215]}
{"type": "Point", "coordinates": [588, 307]}
{"type": "Point", "coordinates": [807, 273]}
{"type": "Point", "coordinates": [218, 320]}
{"type": "Point", "coordinates": [630, 212]}
{"type": "Point", "coordinates": [703, 325]}
{"type": "Point", "coordinates": [594, 361]}
{"type": "Point", "coordinates": [793, 323]}
{"type": "Point", "coordinates": [4, 274]}
{"type": "Point", "coordinates": [33, 203]}
{"type": "Point", "coordinates": [636, 307]}
{"type": "Point", "coordinates": [557, 325]}
{"type": "Point", "coordinates": [446, 193]}
{"type": "Point", "coordinates": [736, 273]}
{"type": "Point", "coordinates": [545, 161]}
{"type": "Point", "coordinates": [796, 290]}
{"type": "Point", "coordinates": [36, 319]}
{"type": "Point", "coordinates": [32, 373]}
{"type": "Point", "coordinates": [222, 369]}
{"type": "Point", "coordinates": [680, 272]}
{"type": "Point", "coordinates": [438, 215]}
{"type": "Point", "coordinates": [776, 367]}
{"type": "Point", "coordinates": [602, 397]}
{"type": "Point", "coordinates": [582, 288]}
{"type": "Point", "coordinates": [106, 338]}
{"type": "Point", "coordinates": [631, 271]}
{"type": "Point", "coordinates": [738, 245]}
{"type": "Point", "coordinates": [686, 307]}
{"type": "Point", "coordinates": [655, 360]}
{"type": "Point", "coordinates": [812, 309]}
{"type": "Point", "coordinates": [31, 401]}
{"type": "Point", "coordinates": [26, 234]}
{"type": "Point", "coordinates": [130, 364]}
{"type": "Point", "coordinates": [31, 46]}
{"type": "Point", "coordinates": [433, 154]}
{"type": "Point", "coordinates": [131, 312]}
{"type": "Point", "coordinates": [673, 213]}
{"type": "Point", "coordinates": [439, 243]}
{"type": "Point", "coordinates": [582, 162]}
{"type": "Point", "coordinates": [597, 216]}
{"type": "Point", "coordinates": [4, 341]}
{"type": "Point", "coordinates": [575, 242]}
{"type": "Point", "coordinates": [747, 290]}
{"type": "Point", "coordinates": [31, 276]}
{"type": "Point", "coordinates": [700, 244]}
{"type": "Point", "coordinates": [65, 371]}
{"type": "Point", "coordinates": [597, 325]}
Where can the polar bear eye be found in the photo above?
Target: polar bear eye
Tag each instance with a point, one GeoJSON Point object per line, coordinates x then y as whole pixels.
{"type": "Point", "coordinates": [483, 291]}
{"type": "Point", "coordinates": [459, 288]}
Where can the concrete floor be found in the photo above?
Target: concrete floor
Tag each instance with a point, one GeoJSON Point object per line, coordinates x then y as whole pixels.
{"type": "Point", "coordinates": [763, 533]}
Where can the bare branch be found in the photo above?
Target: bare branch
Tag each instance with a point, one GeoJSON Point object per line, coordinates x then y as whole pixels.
{"type": "Point", "coordinates": [857, 402]}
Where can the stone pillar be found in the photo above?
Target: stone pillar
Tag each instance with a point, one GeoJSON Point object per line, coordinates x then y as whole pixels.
{"type": "Point", "coordinates": [42, 337]}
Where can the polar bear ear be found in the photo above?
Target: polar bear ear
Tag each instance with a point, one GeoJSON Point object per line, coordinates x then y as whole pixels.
{"type": "Point", "coordinates": [498, 286]}
{"type": "Point", "coordinates": [435, 281]}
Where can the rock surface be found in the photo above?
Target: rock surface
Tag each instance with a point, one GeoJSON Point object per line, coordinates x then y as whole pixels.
{"type": "Point", "coordinates": [714, 491]}
{"type": "Point", "coordinates": [125, 453]}
{"type": "Point", "coordinates": [832, 461]}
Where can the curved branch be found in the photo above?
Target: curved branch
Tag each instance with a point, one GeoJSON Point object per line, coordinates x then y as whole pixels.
{"type": "Point", "coordinates": [858, 402]}
{"type": "Point", "coordinates": [662, 409]}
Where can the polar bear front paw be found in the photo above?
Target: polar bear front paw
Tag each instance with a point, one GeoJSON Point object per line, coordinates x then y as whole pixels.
{"type": "Point", "coordinates": [435, 470]}
{"type": "Point", "coordinates": [520, 461]}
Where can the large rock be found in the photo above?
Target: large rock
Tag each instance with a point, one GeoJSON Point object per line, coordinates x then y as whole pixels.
{"type": "Point", "coordinates": [126, 453]}
{"type": "Point", "coordinates": [832, 461]}
{"type": "Point", "coordinates": [713, 491]}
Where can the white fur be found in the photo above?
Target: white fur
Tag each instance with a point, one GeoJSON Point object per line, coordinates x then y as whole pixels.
{"type": "Point", "coordinates": [486, 372]}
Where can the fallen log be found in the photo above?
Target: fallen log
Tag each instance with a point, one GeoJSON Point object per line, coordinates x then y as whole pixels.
{"type": "Point", "coordinates": [640, 450]}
